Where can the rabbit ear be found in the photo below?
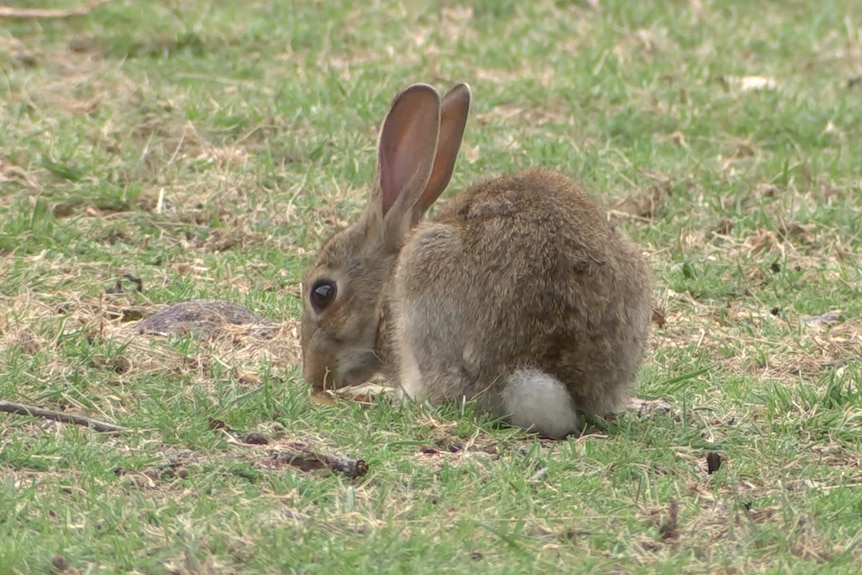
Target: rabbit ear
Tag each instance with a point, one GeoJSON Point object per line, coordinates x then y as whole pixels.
{"type": "Point", "coordinates": [408, 143]}
{"type": "Point", "coordinates": [453, 118]}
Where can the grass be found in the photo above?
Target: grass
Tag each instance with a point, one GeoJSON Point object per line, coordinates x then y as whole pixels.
{"type": "Point", "coordinates": [207, 148]}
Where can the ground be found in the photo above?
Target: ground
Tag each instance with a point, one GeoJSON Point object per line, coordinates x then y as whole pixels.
{"type": "Point", "coordinates": [157, 152]}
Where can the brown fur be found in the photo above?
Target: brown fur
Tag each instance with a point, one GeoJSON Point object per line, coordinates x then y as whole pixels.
{"type": "Point", "coordinates": [521, 271]}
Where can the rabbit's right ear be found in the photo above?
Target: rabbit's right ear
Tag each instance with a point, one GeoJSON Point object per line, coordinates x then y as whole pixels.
{"type": "Point", "coordinates": [408, 144]}
{"type": "Point", "coordinates": [453, 119]}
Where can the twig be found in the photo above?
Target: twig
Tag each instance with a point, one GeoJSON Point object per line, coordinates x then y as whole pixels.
{"type": "Point", "coordinates": [670, 528]}
{"type": "Point", "coordinates": [307, 460]}
{"type": "Point", "coordinates": [19, 409]}
{"type": "Point", "coordinates": [297, 454]}
{"type": "Point", "coordinates": [627, 216]}
{"type": "Point", "coordinates": [13, 12]}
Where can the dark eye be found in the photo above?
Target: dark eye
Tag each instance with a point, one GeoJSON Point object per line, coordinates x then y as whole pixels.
{"type": "Point", "coordinates": [322, 294]}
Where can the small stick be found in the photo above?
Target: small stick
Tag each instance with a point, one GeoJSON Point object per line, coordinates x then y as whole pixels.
{"type": "Point", "coordinates": [307, 460]}
{"type": "Point", "coordinates": [20, 409]}
{"type": "Point", "coordinates": [12, 12]}
{"type": "Point", "coordinates": [626, 215]}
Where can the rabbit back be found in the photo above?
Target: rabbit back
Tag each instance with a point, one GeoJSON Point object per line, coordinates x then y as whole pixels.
{"type": "Point", "coordinates": [520, 273]}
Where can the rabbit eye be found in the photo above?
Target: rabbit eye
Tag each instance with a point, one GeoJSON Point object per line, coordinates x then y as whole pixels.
{"type": "Point", "coordinates": [322, 294]}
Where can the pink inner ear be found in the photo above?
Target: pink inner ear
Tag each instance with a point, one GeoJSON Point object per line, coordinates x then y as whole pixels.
{"type": "Point", "coordinates": [395, 172]}
{"type": "Point", "coordinates": [408, 143]}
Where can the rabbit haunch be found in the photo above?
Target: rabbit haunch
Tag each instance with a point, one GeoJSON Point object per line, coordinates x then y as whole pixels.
{"type": "Point", "coordinates": [518, 295]}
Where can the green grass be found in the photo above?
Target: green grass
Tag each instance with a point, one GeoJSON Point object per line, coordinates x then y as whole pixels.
{"type": "Point", "coordinates": [208, 148]}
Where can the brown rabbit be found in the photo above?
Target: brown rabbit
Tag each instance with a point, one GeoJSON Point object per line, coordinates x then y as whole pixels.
{"type": "Point", "coordinates": [518, 295]}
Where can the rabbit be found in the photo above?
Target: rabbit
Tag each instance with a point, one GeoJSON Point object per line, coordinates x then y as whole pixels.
{"type": "Point", "coordinates": [518, 295]}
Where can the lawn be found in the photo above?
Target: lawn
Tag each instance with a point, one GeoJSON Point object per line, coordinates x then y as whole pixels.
{"type": "Point", "coordinates": [164, 151]}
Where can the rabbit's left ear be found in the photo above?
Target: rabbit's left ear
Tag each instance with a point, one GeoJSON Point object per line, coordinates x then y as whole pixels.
{"type": "Point", "coordinates": [406, 150]}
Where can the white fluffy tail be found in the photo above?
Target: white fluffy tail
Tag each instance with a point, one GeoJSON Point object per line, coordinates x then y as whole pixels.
{"type": "Point", "coordinates": [539, 402]}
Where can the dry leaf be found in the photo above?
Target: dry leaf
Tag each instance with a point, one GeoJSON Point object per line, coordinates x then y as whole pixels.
{"type": "Point", "coordinates": [751, 83]}
{"type": "Point", "coordinates": [827, 318]}
{"type": "Point", "coordinates": [365, 393]}
{"type": "Point", "coordinates": [321, 399]}
{"type": "Point", "coordinates": [471, 154]}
